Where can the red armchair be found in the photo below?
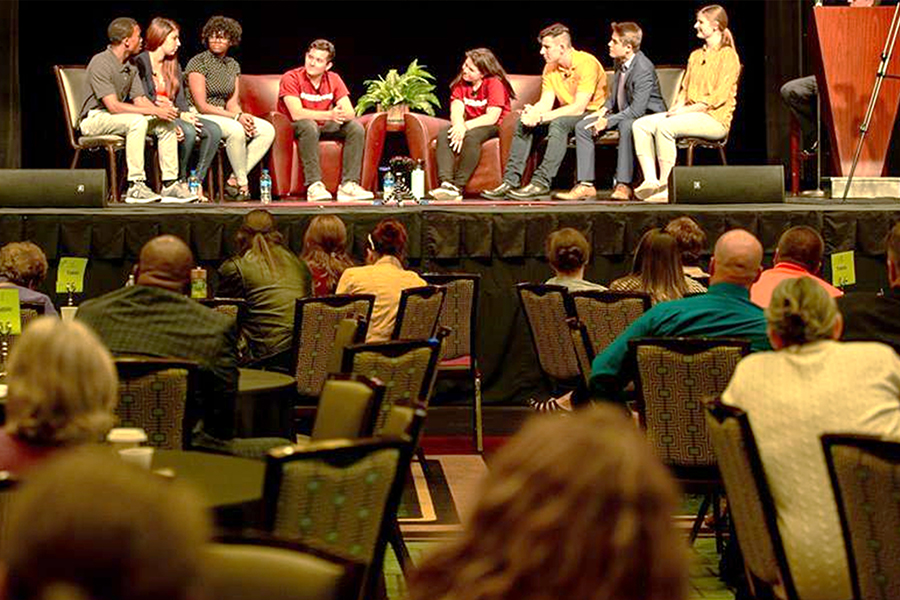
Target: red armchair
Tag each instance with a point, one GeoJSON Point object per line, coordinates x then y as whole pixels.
{"type": "Point", "coordinates": [422, 130]}
{"type": "Point", "coordinates": [259, 96]}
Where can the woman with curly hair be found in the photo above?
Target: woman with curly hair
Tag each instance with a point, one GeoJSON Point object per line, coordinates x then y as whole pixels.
{"type": "Point", "coordinates": [23, 266]}
{"type": "Point", "coordinates": [383, 276]}
{"type": "Point", "coordinates": [657, 270]}
{"type": "Point", "coordinates": [325, 252]}
{"type": "Point", "coordinates": [62, 390]}
{"type": "Point", "coordinates": [548, 525]}
{"type": "Point", "coordinates": [214, 86]}
{"type": "Point", "coordinates": [568, 252]}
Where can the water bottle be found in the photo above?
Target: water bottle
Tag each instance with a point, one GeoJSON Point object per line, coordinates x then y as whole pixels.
{"type": "Point", "coordinates": [388, 187]}
{"type": "Point", "coordinates": [417, 181]}
{"type": "Point", "coordinates": [194, 183]}
{"type": "Point", "coordinates": [265, 187]}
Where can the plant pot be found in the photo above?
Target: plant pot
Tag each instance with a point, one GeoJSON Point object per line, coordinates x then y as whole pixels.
{"type": "Point", "coordinates": [395, 113]}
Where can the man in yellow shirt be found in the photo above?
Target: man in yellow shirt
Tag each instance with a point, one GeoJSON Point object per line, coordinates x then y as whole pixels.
{"type": "Point", "coordinates": [574, 82]}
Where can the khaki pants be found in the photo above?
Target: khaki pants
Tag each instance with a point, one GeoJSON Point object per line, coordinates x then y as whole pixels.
{"type": "Point", "coordinates": [655, 135]}
{"type": "Point", "coordinates": [135, 128]}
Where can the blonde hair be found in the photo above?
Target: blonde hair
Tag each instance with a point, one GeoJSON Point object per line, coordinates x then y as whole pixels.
{"type": "Point", "coordinates": [63, 385]}
{"type": "Point", "coordinates": [801, 311]}
{"type": "Point", "coordinates": [716, 14]}
{"type": "Point", "coordinates": [572, 508]}
{"type": "Point", "coordinates": [88, 525]}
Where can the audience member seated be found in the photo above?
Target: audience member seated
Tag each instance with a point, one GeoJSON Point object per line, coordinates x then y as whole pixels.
{"type": "Point", "coordinates": [89, 526]}
{"type": "Point", "coordinates": [547, 526]}
{"type": "Point", "coordinates": [724, 311]}
{"type": "Point", "coordinates": [270, 277]}
{"type": "Point", "coordinates": [325, 253]}
{"type": "Point", "coordinates": [156, 318]}
{"type": "Point", "coordinates": [657, 270]}
{"type": "Point", "coordinates": [383, 276]}
{"type": "Point", "coordinates": [799, 254]}
{"type": "Point", "coordinates": [62, 391]}
{"type": "Point", "coordinates": [568, 252]}
{"type": "Point", "coordinates": [213, 86]}
{"type": "Point", "coordinates": [810, 385]}
{"type": "Point", "coordinates": [691, 240]}
{"type": "Point", "coordinates": [870, 316]}
{"type": "Point", "coordinates": [23, 266]}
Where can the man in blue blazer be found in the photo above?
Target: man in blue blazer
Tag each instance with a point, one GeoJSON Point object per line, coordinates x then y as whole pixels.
{"type": "Point", "coordinates": [635, 93]}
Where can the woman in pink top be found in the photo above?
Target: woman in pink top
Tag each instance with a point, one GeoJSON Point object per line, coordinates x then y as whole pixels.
{"type": "Point", "coordinates": [383, 276]}
{"type": "Point", "coordinates": [479, 99]}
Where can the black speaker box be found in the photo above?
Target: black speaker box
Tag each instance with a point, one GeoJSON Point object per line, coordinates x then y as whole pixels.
{"type": "Point", "coordinates": [52, 188]}
{"type": "Point", "coordinates": [727, 185]}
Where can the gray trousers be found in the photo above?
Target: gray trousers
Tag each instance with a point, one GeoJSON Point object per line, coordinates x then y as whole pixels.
{"type": "Point", "coordinates": [558, 131]}
{"type": "Point", "coordinates": [308, 134]}
{"type": "Point", "coordinates": [585, 150]}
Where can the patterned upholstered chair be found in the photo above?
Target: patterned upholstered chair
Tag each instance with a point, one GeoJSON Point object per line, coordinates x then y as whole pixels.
{"type": "Point", "coordinates": [240, 568]}
{"type": "Point", "coordinates": [560, 340]}
{"type": "Point", "coordinates": [236, 308]}
{"type": "Point", "coordinates": [459, 356]}
{"type": "Point", "coordinates": [316, 322]}
{"type": "Point", "coordinates": [674, 377]}
{"type": "Point", "coordinates": [339, 497]}
{"type": "Point", "coordinates": [418, 313]}
{"type": "Point", "coordinates": [8, 486]}
{"type": "Point", "coordinates": [607, 314]}
{"type": "Point", "coordinates": [154, 395]}
{"type": "Point", "coordinates": [750, 501]}
{"type": "Point", "coordinates": [865, 472]}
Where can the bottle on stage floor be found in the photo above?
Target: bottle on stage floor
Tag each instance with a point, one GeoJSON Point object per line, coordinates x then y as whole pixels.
{"type": "Point", "coordinates": [194, 183]}
{"type": "Point", "coordinates": [387, 186]}
{"type": "Point", "coordinates": [417, 181]}
{"type": "Point", "coordinates": [265, 187]}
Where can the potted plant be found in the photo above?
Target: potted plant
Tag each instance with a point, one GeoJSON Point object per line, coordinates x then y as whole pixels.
{"type": "Point", "coordinates": [398, 93]}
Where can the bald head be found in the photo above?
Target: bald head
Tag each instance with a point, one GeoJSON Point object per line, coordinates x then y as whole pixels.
{"type": "Point", "coordinates": [737, 258]}
{"type": "Point", "coordinates": [165, 262]}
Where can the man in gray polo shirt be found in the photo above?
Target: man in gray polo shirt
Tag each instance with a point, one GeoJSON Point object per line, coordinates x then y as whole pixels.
{"type": "Point", "coordinates": [117, 104]}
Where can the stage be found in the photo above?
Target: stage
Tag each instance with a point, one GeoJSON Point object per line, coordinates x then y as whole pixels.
{"type": "Point", "coordinates": [504, 242]}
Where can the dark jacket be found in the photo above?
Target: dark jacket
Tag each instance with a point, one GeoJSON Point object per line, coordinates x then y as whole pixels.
{"type": "Point", "coordinates": [145, 70]}
{"type": "Point", "coordinates": [870, 317]}
{"type": "Point", "coordinates": [641, 91]}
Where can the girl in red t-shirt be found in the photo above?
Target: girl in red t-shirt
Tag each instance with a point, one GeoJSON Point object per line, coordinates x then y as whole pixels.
{"type": "Point", "coordinates": [479, 99]}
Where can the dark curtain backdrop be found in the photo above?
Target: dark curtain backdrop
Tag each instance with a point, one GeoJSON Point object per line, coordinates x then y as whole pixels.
{"type": "Point", "coordinates": [10, 117]}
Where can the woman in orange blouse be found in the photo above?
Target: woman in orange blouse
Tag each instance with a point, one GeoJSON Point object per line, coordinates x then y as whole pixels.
{"type": "Point", "coordinates": [703, 108]}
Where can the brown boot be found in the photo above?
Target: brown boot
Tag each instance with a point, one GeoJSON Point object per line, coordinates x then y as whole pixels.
{"type": "Point", "coordinates": [622, 192]}
{"type": "Point", "coordinates": [581, 191]}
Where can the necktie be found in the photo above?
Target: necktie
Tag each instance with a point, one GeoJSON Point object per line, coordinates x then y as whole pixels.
{"type": "Point", "coordinates": [621, 100]}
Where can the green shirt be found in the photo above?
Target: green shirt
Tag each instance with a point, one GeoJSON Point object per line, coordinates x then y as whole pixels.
{"type": "Point", "coordinates": [724, 310]}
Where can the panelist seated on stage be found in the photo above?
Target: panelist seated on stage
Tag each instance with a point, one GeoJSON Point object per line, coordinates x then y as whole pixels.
{"type": "Point", "coordinates": [799, 254]}
{"type": "Point", "coordinates": [23, 266]}
{"type": "Point", "coordinates": [574, 81]}
{"type": "Point", "coordinates": [724, 310]}
{"type": "Point", "coordinates": [703, 108]}
{"type": "Point", "coordinates": [154, 317]}
{"type": "Point", "coordinates": [479, 100]}
{"type": "Point", "coordinates": [635, 92]}
{"type": "Point", "coordinates": [118, 105]}
{"type": "Point", "coordinates": [62, 391]}
{"type": "Point", "coordinates": [318, 103]}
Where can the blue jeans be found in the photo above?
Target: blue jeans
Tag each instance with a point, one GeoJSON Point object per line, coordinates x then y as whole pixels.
{"type": "Point", "coordinates": [558, 131]}
{"type": "Point", "coordinates": [210, 136]}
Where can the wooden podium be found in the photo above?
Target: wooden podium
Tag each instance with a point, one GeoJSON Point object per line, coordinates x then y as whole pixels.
{"type": "Point", "coordinates": [849, 42]}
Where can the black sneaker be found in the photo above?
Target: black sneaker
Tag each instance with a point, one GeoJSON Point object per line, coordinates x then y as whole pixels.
{"type": "Point", "coordinates": [531, 191]}
{"type": "Point", "coordinates": [498, 193]}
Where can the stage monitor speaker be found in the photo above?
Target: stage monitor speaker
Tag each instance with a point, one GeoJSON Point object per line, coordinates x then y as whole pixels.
{"type": "Point", "coordinates": [727, 185]}
{"type": "Point", "coordinates": [52, 188]}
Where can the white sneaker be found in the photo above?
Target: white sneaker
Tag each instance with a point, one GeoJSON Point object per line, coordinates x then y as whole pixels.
{"type": "Point", "coordinates": [317, 193]}
{"type": "Point", "coordinates": [447, 192]}
{"type": "Point", "coordinates": [177, 193]}
{"type": "Point", "coordinates": [352, 191]}
{"type": "Point", "coordinates": [646, 189]}
{"type": "Point", "coordinates": [661, 197]}
{"type": "Point", "coordinates": [139, 193]}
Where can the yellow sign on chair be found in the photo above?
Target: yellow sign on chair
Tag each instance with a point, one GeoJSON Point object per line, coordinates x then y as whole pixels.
{"type": "Point", "coordinates": [10, 319]}
{"type": "Point", "coordinates": [843, 268]}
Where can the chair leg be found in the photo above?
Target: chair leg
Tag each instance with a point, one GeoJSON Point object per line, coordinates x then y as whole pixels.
{"type": "Point", "coordinates": [395, 539]}
{"type": "Point", "coordinates": [698, 521]}
{"type": "Point", "coordinates": [690, 155]}
{"type": "Point", "coordinates": [478, 415]}
{"type": "Point", "coordinates": [718, 522]}
{"type": "Point", "coordinates": [420, 455]}
{"type": "Point", "coordinates": [221, 175]}
{"type": "Point", "coordinates": [75, 159]}
{"type": "Point", "coordinates": [113, 175]}
{"type": "Point", "coordinates": [722, 154]}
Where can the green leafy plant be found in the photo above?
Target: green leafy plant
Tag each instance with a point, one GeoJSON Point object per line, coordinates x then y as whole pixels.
{"type": "Point", "coordinates": [413, 88]}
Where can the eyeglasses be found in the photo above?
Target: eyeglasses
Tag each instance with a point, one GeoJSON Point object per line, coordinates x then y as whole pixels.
{"type": "Point", "coordinates": [220, 37]}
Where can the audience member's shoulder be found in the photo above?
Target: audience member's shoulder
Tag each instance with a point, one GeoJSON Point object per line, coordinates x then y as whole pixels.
{"type": "Point", "coordinates": [869, 352]}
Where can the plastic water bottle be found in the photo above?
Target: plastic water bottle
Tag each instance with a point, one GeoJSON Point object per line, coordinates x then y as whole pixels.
{"type": "Point", "coordinates": [265, 187]}
{"type": "Point", "coordinates": [194, 183]}
{"type": "Point", "coordinates": [388, 187]}
{"type": "Point", "coordinates": [417, 181]}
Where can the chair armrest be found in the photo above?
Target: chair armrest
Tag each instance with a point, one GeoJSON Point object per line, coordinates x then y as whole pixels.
{"type": "Point", "coordinates": [507, 130]}
{"type": "Point", "coordinates": [281, 158]}
{"type": "Point", "coordinates": [375, 125]}
{"type": "Point", "coordinates": [421, 130]}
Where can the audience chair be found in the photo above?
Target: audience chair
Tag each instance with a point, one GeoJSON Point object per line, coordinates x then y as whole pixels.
{"type": "Point", "coordinates": [560, 341]}
{"type": "Point", "coordinates": [73, 91]}
{"type": "Point", "coordinates": [459, 358]}
{"type": "Point", "coordinates": [749, 502]}
{"type": "Point", "coordinates": [674, 377]}
{"type": "Point", "coordinates": [8, 487]}
{"type": "Point", "coordinates": [418, 313]}
{"type": "Point", "coordinates": [605, 315]}
{"type": "Point", "coordinates": [266, 567]}
{"type": "Point", "coordinates": [865, 471]}
{"type": "Point", "coordinates": [259, 96]}
{"type": "Point", "coordinates": [28, 312]}
{"type": "Point", "coordinates": [316, 324]}
{"type": "Point", "coordinates": [339, 497]}
{"type": "Point", "coordinates": [347, 408]}
{"type": "Point", "coordinates": [236, 308]}
{"type": "Point", "coordinates": [155, 394]}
